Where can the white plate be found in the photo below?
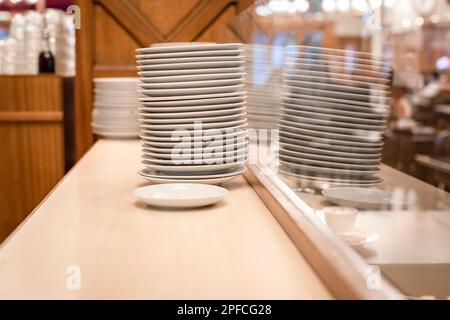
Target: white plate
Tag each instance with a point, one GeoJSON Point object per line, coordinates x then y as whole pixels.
{"type": "Point", "coordinates": [342, 103]}
{"type": "Point", "coordinates": [203, 168]}
{"type": "Point", "coordinates": [193, 105]}
{"type": "Point", "coordinates": [293, 65]}
{"type": "Point", "coordinates": [191, 84]}
{"type": "Point", "coordinates": [302, 169]}
{"type": "Point", "coordinates": [192, 133]}
{"type": "Point", "coordinates": [335, 61]}
{"type": "Point", "coordinates": [191, 72]}
{"type": "Point", "coordinates": [217, 181]}
{"type": "Point", "coordinates": [193, 126]}
{"type": "Point", "coordinates": [223, 174]}
{"type": "Point", "coordinates": [327, 164]}
{"type": "Point", "coordinates": [347, 58]}
{"type": "Point", "coordinates": [332, 143]}
{"type": "Point", "coordinates": [206, 146]}
{"type": "Point", "coordinates": [190, 47]}
{"type": "Point", "coordinates": [205, 138]}
{"type": "Point", "coordinates": [311, 106]}
{"type": "Point", "coordinates": [192, 65]}
{"type": "Point", "coordinates": [148, 119]}
{"type": "Point", "coordinates": [192, 91]}
{"type": "Point", "coordinates": [193, 78]}
{"type": "Point", "coordinates": [382, 83]}
{"type": "Point", "coordinates": [307, 147]}
{"type": "Point", "coordinates": [178, 99]}
{"type": "Point", "coordinates": [335, 87]}
{"type": "Point", "coordinates": [335, 78]}
{"type": "Point", "coordinates": [190, 54]}
{"type": "Point", "coordinates": [329, 132]}
{"type": "Point", "coordinates": [314, 156]}
{"type": "Point", "coordinates": [358, 98]}
{"type": "Point", "coordinates": [359, 238]}
{"type": "Point", "coordinates": [180, 195]}
{"type": "Point", "coordinates": [224, 111]}
{"type": "Point", "coordinates": [302, 48]}
{"type": "Point", "coordinates": [153, 61]}
{"type": "Point", "coordinates": [344, 123]}
{"type": "Point", "coordinates": [316, 182]}
{"type": "Point", "coordinates": [209, 154]}
{"type": "Point", "coordinates": [359, 198]}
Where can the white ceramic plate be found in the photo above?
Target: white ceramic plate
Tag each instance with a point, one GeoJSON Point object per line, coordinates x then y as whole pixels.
{"type": "Point", "coordinates": [191, 84]}
{"type": "Point", "coordinates": [344, 123]}
{"type": "Point", "coordinates": [310, 49]}
{"type": "Point", "coordinates": [204, 169]}
{"type": "Point", "coordinates": [341, 103]}
{"type": "Point", "coordinates": [190, 54]}
{"type": "Point", "coordinates": [208, 155]}
{"type": "Point", "coordinates": [358, 98]}
{"type": "Point", "coordinates": [329, 132]}
{"type": "Point", "coordinates": [187, 47]}
{"type": "Point", "coordinates": [207, 146]}
{"type": "Point", "coordinates": [199, 97]}
{"type": "Point", "coordinates": [294, 65]}
{"type": "Point", "coordinates": [358, 238]}
{"type": "Point", "coordinates": [307, 147]}
{"type": "Point", "coordinates": [180, 195]}
{"type": "Point", "coordinates": [303, 169]}
{"type": "Point", "coordinates": [298, 74]}
{"type": "Point", "coordinates": [316, 182]}
{"type": "Point", "coordinates": [348, 58]}
{"type": "Point", "coordinates": [238, 134]}
{"type": "Point", "coordinates": [335, 87]}
{"type": "Point", "coordinates": [194, 126]}
{"type": "Point", "coordinates": [311, 106]}
{"type": "Point", "coordinates": [315, 156]}
{"type": "Point", "coordinates": [192, 65]}
{"type": "Point", "coordinates": [194, 104]}
{"type": "Point", "coordinates": [191, 72]}
{"type": "Point", "coordinates": [336, 61]}
{"type": "Point", "coordinates": [226, 110]}
{"type": "Point", "coordinates": [192, 133]}
{"type": "Point", "coordinates": [327, 164]}
{"type": "Point", "coordinates": [153, 61]}
{"type": "Point", "coordinates": [192, 91]}
{"type": "Point", "coordinates": [335, 78]}
{"type": "Point", "coordinates": [158, 179]}
{"type": "Point", "coordinates": [193, 78]}
{"type": "Point", "coordinates": [148, 119]}
{"type": "Point", "coordinates": [358, 197]}
{"type": "Point", "coordinates": [331, 143]}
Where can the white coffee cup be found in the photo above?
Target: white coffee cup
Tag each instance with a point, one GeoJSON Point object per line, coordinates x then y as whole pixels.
{"type": "Point", "coordinates": [340, 219]}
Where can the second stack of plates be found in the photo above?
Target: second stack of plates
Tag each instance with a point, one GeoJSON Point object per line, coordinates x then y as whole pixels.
{"type": "Point", "coordinates": [115, 113]}
{"type": "Point", "coordinates": [333, 116]}
{"type": "Point", "coordinates": [193, 119]}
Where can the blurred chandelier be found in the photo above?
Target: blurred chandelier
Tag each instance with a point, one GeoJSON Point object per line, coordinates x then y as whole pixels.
{"type": "Point", "coordinates": [357, 6]}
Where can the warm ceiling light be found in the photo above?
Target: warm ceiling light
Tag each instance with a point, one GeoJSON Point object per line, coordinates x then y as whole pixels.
{"type": "Point", "coordinates": [375, 4]}
{"type": "Point", "coordinates": [419, 21]}
{"type": "Point", "coordinates": [328, 5]}
{"type": "Point", "coordinates": [360, 5]}
{"type": "Point", "coordinates": [435, 18]}
{"type": "Point", "coordinates": [301, 5]}
{"type": "Point", "coordinates": [343, 5]}
{"type": "Point", "coordinates": [389, 3]}
{"type": "Point", "coordinates": [406, 23]}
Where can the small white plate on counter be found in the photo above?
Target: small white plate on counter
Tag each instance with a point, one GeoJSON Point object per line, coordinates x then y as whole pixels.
{"type": "Point", "coordinates": [180, 195]}
{"type": "Point", "coordinates": [358, 238]}
{"type": "Point", "coordinates": [361, 198]}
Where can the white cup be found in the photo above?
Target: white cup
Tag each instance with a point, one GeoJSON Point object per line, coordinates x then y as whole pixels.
{"type": "Point", "coordinates": [340, 219]}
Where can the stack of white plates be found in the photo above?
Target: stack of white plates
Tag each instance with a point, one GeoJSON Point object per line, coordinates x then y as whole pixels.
{"type": "Point", "coordinates": [332, 118]}
{"type": "Point", "coordinates": [193, 119]}
{"type": "Point", "coordinates": [115, 113]}
{"type": "Point", "coordinates": [264, 65]}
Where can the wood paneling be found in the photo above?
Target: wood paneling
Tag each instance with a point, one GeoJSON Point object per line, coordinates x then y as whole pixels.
{"type": "Point", "coordinates": [112, 29]}
{"type": "Point", "coordinates": [32, 137]}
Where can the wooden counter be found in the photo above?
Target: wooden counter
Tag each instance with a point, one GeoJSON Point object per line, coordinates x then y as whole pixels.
{"type": "Point", "coordinates": [233, 250]}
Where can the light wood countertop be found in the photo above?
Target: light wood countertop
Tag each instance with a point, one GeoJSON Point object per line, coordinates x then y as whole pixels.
{"type": "Point", "coordinates": [233, 250]}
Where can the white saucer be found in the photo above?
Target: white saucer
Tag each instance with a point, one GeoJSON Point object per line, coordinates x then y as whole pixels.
{"type": "Point", "coordinates": [224, 111]}
{"type": "Point", "coordinates": [359, 238]}
{"type": "Point", "coordinates": [179, 99]}
{"type": "Point", "coordinates": [190, 54]}
{"type": "Point", "coordinates": [361, 198]}
{"type": "Point", "coordinates": [192, 65]}
{"type": "Point", "coordinates": [197, 77]}
{"type": "Point", "coordinates": [191, 84]}
{"type": "Point", "coordinates": [188, 47]}
{"type": "Point", "coordinates": [212, 103]}
{"type": "Point", "coordinates": [149, 119]}
{"type": "Point", "coordinates": [191, 72]}
{"type": "Point", "coordinates": [192, 91]}
{"type": "Point", "coordinates": [215, 181]}
{"type": "Point", "coordinates": [153, 61]}
{"type": "Point", "coordinates": [180, 195]}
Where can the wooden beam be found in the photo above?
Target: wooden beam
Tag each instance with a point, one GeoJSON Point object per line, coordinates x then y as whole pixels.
{"type": "Point", "coordinates": [199, 20]}
{"type": "Point", "coordinates": [83, 81]}
{"type": "Point", "coordinates": [132, 20]}
{"type": "Point", "coordinates": [32, 116]}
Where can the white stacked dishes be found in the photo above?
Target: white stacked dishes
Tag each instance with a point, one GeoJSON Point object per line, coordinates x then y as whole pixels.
{"type": "Point", "coordinates": [193, 118]}
{"type": "Point", "coordinates": [334, 111]}
{"type": "Point", "coordinates": [263, 84]}
{"type": "Point", "coordinates": [115, 113]}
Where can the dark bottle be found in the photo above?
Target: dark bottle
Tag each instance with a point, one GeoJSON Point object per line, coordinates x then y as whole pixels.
{"type": "Point", "coordinates": [46, 59]}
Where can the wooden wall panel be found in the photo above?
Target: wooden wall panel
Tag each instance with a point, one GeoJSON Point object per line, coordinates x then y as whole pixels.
{"type": "Point", "coordinates": [32, 136]}
{"type": "Point", "coordinates": [113, 29]}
